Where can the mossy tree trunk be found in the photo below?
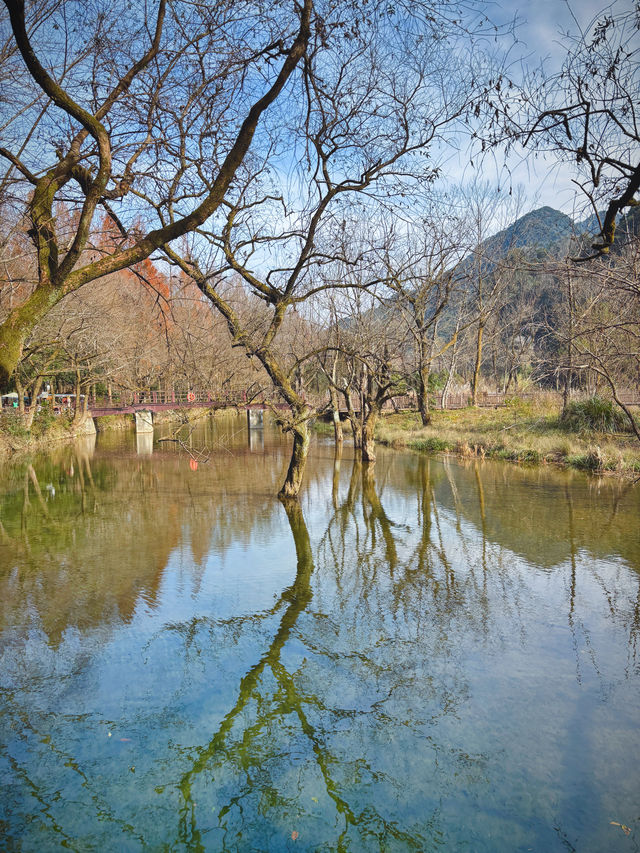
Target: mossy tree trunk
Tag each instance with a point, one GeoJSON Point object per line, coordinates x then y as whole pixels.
{"type": "Point", "coordinates": [368, 435]}
{"type": "Point", "coordinates": [297, 464]}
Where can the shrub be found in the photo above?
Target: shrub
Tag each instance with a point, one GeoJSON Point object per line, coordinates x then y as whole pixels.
{"type": "Point", "coordinates": [593, 460]}
{"type": "Point", "coordinates": [519, 406]}
{"type": "Point", "coordinates": [594, 414]}
{"type": "Point", "coordinates": [532, 456]}
{"type": "Point", "coordinates": [431, 445]}
{"type": "Point", "coordinates": [11, 424]}
{"type": "Point", "coordinates": [43, 420]}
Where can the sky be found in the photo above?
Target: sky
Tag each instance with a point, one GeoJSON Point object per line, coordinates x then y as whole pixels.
{"type": "Point", "coordinates": [544, 20]}
{"type": "Point", "coordinates": [542, 23]}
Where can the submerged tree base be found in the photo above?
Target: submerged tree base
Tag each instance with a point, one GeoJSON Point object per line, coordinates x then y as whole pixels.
{"type": "Point", "coordinates": [295, 473]}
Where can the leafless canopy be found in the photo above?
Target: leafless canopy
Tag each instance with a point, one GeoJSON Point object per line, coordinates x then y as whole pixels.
{"type": "Point", "coordinates": [588, 114]}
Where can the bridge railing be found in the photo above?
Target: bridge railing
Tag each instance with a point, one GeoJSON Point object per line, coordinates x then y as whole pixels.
{"type": "Point", "coordinates": [240, 397]}
{"type": "Point", "coordinates": [172, 397]}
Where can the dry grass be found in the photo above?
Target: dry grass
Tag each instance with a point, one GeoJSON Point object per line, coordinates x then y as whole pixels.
{"type": "Point", "coordinates": [522, 431]}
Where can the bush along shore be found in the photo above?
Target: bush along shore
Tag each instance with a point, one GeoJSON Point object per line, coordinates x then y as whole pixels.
{"type": "Point", "coordinates": [591, 435]}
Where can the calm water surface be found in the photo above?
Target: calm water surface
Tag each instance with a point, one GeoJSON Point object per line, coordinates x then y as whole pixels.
{"type": "Point", "coordinates": [429, 655]}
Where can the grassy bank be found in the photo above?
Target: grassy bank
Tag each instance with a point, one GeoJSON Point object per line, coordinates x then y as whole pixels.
{"type": "Point", "coordinates": [106, 423]}
{"type": "Point", "coordinates": [46, 429]}
{"type": "Point", "coordinates": [523, 431]}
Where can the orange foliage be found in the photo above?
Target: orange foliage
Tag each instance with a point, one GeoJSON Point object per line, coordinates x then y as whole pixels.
{"type": "Point", "coordinates": [144, 277]}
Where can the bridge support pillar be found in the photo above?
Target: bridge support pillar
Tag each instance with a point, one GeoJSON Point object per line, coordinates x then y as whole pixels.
{"type": "Point", "coordinates": [144, 422]}
{"type": "Point", "coordinates": [255, 419]}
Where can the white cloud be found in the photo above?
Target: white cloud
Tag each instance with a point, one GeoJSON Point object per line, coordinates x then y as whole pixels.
{"type": "Point", "coordinates": [544, 24]}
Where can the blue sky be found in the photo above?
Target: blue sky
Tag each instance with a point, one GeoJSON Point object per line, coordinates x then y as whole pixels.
{"type": "Point", "coordinates": [544, 20]}
{"type": "Point", "coordinates": [540, 39]}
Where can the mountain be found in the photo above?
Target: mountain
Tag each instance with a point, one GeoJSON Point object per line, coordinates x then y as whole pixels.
{"type": "Point", "coordinates": [547, 231]}
{"type": "Point", "coordinates": [590, 225]}
{"type": "Point", "coordinates": [544, 228]}
{"type": "Point", "coordinates": [537, 235]}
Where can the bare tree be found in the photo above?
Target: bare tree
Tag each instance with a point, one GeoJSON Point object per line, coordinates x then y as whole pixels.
{"type": "Point", "coordinates": [375, 352]}
{"type": "Point", "coordinates": [422, 267]}
{"type": "Point", "coordinates": [487, 268]}
{"type": "Point", "coordinates": [602, 335]}
{"type": "Point", "coordinates": [192, 73]}
{"type": "Point", "coordinates": [587, 114]}
{"type": "Point", "coordinates": [375, 101]}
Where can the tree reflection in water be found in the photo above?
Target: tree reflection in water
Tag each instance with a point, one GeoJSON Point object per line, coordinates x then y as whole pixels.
{"type": "Point", "coordinates": [346, 705]}
{"type": "Point", "coordinates": [421, 680]}
{"type": "Point", "coordinates": [294, 600]}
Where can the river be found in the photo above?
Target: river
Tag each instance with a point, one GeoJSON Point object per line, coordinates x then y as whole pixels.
{"type": "Point", "coordinates": [430, 654]}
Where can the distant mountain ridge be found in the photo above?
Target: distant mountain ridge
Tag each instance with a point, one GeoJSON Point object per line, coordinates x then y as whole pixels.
{"type": "Point", "coordinates": [545, 228]}
{"type": "Point", "coordinates": [549, 230]}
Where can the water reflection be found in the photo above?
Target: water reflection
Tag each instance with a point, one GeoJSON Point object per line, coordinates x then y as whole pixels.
{"type": "Point", "coordinates": [144, 443]}
{"type": "Point", "coordinates": [293, 601]}
{"type": "Point", "coordinates": [394, 663]}
{"type": "Point", "coordinates": [256, 440]}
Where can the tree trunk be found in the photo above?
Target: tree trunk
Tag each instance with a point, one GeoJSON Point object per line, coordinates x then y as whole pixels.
{"type": "Point", "coordinates": [494, 365]}
{"type": "Point", "coordinates": [20, 390]}
{"type": "Point", "coordinates": [29, 416]}
{"type": "Point", "coordinates": [18, 326]}
{"type": "Point", "coordinates": [423, 394]}
{"type": "Point", "coordinates": [335, 414]}
{"type": "Point", "coordinates": [476, 372]}
{"type": "Point", "coordinates": [368, 442]}
{"type": "Point", "coordinates": [356, 429]}
{"type": "Point", "coordinates": [78, 413]}
{"type": "Point", "coordinates": [425, 358]}
{"type": "Point", "coordinates": [568, 374]}
{"type": "Point", "coordinates": [452, 369]}
{"type": "Point", "coordinates": [295, 473]}
{"type": "Point", "coordinates": [354, 420]}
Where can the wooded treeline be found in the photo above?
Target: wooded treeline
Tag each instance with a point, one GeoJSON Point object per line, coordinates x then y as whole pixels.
{"type": "Point", "coordinates": [230, 194]}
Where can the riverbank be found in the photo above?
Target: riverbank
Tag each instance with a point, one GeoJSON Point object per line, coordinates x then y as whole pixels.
{"type": "Point", "coordinates": [48, 429]}
{"type": "Point", "coordinates": [525, 432]}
